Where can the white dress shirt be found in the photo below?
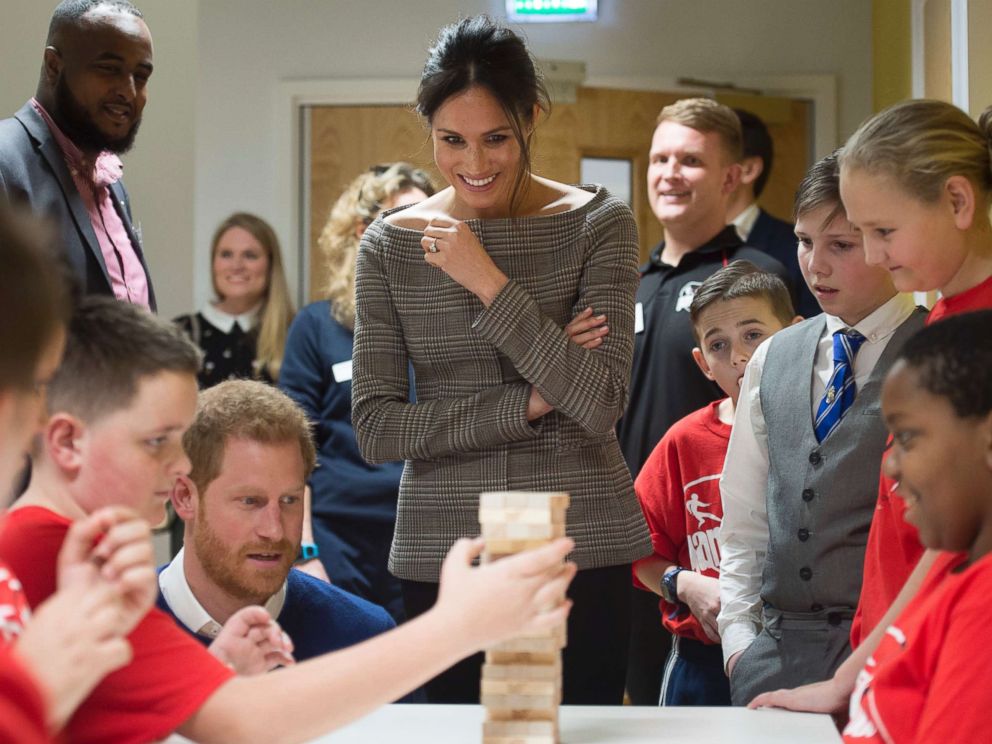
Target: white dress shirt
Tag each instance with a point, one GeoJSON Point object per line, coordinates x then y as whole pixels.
{"type": "Point", "coordinates": [178, 595]}
{"type": "Point", "coordinates": [743, 486]}
{"type": "Point", "coordinates": [744, 222]}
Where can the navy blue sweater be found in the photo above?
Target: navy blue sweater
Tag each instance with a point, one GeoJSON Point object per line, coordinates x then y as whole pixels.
{"type": "Point", "coordinates": [318, 617]}
{"type": "Point", "coordinates": [343, 484]}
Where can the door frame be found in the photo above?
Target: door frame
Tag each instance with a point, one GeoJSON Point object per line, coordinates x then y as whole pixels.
{"type": "Point", "coordinates": [291, 141]}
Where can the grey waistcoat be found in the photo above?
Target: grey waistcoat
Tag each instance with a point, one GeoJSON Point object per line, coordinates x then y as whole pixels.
{"type": "Point", "coordinates": [821, 496]}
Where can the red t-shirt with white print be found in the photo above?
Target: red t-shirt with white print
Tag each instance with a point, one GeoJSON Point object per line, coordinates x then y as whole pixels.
{"type": "Point", "coordinates": [22, 708]}
{"type": "Point", "coordinates": [894, 548]}
{"type": "Point", "coordinates": [928, 679]}
{"type": "Point", "coordinates": [679, 491]}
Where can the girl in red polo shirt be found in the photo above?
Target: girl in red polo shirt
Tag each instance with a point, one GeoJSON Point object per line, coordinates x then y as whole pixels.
{"type": "Point", "coordinates": [917, 180]}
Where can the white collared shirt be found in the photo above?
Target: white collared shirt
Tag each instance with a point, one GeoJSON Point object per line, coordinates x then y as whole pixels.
{"type": "Point", "coordinates": [185, 606]}
{"type": "Point", "coordinates": [225, 321]}
{"type": "Point", "coordinates": [744, 222]}
{"type": "Point", "coordinates": [744, 530]}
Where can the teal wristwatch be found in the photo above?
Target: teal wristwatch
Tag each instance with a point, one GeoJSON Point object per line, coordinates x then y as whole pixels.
{"type": "Point", "coordinates": [308, 551]}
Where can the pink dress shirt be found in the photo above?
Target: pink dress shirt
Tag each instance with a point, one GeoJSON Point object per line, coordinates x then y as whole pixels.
{"type": "Point", "coordinates": [93, 180]}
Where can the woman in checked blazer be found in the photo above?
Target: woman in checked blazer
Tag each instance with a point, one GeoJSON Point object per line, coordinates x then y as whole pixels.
{"type": "Point", "coordinates": [477, 288]}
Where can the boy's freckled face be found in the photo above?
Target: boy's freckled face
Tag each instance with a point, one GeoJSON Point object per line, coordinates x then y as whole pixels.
{"type": "Point", "coordinates": [938, 460]}
{"type": "Point", "coordinates": [729, 331]}
{"type": "Point", "coordinates": [131, 457]}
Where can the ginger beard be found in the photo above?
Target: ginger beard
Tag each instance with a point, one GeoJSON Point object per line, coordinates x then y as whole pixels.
{"type": "Point", "coordinates": [235, 570]}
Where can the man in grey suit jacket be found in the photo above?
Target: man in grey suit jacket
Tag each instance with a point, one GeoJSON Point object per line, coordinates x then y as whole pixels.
{"type": "Point", "coordinates": [58, 152]}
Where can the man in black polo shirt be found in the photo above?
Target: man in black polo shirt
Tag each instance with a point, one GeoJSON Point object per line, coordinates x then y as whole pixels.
{"type": "Point", "coordinates": [694, 168]}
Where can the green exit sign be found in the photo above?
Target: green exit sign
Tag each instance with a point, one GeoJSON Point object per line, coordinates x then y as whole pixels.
{"type": "Point", "coordinates": [550, 11]}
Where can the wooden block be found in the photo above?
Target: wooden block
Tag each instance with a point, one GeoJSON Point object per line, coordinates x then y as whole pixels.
{"type": "Point", "coordinates": [500, 547]}
{"type": "Point", "coordinates": [530, 645]}
{"type": "Point", "coordinates": [529, 515]}
{"type": "Point", "coordinates": [519, 732]}
{"type": "Point", "coordinates": [521, 531]}
{"type": "Point", "coordinates": [509, 714]}
{"type": "Point", "coordinates": [522, 500]}
{"type": "Point", "coordinates": [522, 657]}
{"type": "Point", "coordinates": [535, 687]}
{"type": "Point", "coordinates": [494, 701]}
{"type": "Point", "coordinates": [493, 671]}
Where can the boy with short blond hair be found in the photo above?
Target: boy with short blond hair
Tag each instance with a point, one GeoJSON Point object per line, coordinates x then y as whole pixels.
{"type": "Point", "coordinates": [732, 312]}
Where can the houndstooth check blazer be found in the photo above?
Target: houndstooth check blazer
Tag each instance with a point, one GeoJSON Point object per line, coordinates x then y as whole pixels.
{"type": "Point", "coordinates": [474, 367]}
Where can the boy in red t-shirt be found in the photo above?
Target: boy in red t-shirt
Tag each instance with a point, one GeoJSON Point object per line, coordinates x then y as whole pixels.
{"type": "Point", "coordinates": [927, 681]}
{"type": "Point", "coordinates": [732, 312]}
{"type": "Point", "coordinates": [48, 664]}
{"type": "Point", "coordinates": [119, 404]}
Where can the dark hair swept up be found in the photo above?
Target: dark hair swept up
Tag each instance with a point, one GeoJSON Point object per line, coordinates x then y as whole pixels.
{"type": "Point", "coordinates": [480, 51]}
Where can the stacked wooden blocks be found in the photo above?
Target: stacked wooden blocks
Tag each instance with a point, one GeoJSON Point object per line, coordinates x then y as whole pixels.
{"type": "Point", "coordinates": [521, 679]}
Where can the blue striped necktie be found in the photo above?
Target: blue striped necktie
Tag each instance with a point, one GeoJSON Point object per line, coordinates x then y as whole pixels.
{"type": "Point", "coordinates": [840, 392]}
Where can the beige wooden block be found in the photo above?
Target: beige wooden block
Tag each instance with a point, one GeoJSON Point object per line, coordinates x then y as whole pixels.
{"type": "Point", "coordinates": [537, 688]}
{"type": "Point", "coordinates": [523, 657]}
{"type": "Point", "coordinates": [522, 500]}
{"type": "Point", "coordinates": [519, 732]}
{"type": "Point", "coordinates": [494, 701]}
{"type": "Point", "coordinates": [530, 645]}
{"type": "Point", "coordinates": [521, 531]}
{"type": "Point", "coordinates": [522, 671]}
{"type": "Point", "coordinates": [532, 515]}
{"type": "Point", "coordinates": [500, 546]}
{"type": "Point", "coordinates": [508, 714]}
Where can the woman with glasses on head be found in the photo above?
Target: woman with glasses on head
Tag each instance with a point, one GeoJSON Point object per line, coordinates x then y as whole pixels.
{"type": "Point", "coordinates": [353, 504]}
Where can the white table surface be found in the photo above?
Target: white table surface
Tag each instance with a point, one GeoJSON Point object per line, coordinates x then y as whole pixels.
{"type": "Point", "coordinates": [462, 724]}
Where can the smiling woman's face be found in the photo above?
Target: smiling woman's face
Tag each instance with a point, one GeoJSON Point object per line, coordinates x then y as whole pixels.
{"type": "Point", "coordinates": [476, 152]}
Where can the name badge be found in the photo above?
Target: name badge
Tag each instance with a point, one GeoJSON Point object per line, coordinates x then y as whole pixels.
{"type": "Point", "coordinates": [639, 318]}
{"type": "Point", "coordinates": [341, 371]}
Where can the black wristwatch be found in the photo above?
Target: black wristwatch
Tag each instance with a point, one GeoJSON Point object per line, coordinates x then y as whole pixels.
{"type": "Point", "coordinates": [669, 585]}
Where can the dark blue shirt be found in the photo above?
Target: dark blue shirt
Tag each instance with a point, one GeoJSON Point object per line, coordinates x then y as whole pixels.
{"type": "Point", "coordinates": [318, 617]}
{"type": "Point", "coordinates": [343, 484]}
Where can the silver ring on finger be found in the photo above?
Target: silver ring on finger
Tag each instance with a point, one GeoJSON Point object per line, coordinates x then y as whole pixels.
{"type": "Point", "coordinates": [433, 246]}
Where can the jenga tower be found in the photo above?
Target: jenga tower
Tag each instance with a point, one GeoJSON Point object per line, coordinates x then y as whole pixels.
{"type": "Point", "coordinates": [521, 679]}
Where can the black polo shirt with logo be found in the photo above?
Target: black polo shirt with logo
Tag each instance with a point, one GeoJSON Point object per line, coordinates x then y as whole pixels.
{"type": "Point", "coordinates": [666, 384]}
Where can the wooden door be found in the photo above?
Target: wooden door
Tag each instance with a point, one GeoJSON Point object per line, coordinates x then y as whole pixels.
{"type": "Point", "coordinates": [603, 122]}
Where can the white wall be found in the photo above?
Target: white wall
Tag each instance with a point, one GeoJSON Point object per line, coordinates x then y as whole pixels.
{"type": "Point", "coordinates": [208, 145]}
{"type": "Point", "coordinates": [159, 171]}
{"type": "Point", "coordinates": [246, 47]}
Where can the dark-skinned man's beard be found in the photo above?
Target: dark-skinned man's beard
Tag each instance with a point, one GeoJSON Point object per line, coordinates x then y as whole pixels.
{"type": "Point", "coordinates": [77, 124]}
